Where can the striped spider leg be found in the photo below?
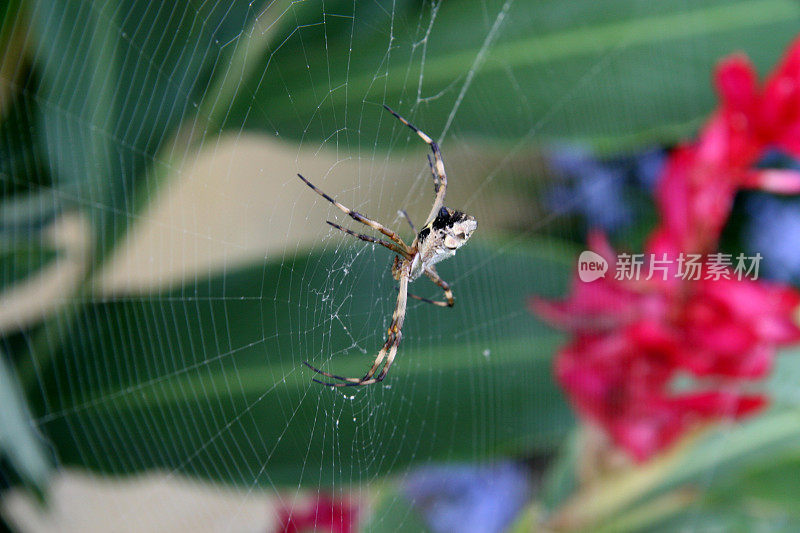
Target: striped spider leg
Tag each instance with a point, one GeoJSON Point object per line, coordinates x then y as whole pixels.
{"type": "Point", "coordinates": [437, 168]}
{"type": "Point", "coordinates": [445, 231]}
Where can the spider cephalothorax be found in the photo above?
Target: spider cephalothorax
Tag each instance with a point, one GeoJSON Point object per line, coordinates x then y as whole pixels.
{"type": "Point", "coordinates": [445, 231]}
{"type": "Point", "coordinates": [441, 238]}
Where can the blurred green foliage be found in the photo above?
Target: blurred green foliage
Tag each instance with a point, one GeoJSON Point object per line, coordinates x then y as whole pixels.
{"type": "Point", "coordinates": [214, 387]}
{"type": "Point", "coordinates": [614, 74]}
{"type": "Point", "coordinates": [19, 442]}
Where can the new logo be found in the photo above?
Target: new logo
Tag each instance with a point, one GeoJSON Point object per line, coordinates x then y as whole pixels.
{"type": "Point", "coordinates": [591, 266]}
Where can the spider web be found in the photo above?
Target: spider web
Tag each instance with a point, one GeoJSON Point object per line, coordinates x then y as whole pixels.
{"type": "Point", "coordinates": [213, 273]}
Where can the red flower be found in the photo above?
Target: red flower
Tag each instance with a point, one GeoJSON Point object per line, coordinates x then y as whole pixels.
{"type": "Point", "coordinates": [733, 327]}
{"type": "Point", "coordinates": [633, 337]}
{"type": "Point", "coordinates": [697, 187]}
{"type": "Point", "coordinates": [622, 383]}
{"type": "Point", "coordinates": [780, 105]}
{"type": "Point", "coordinates": [323, 514]}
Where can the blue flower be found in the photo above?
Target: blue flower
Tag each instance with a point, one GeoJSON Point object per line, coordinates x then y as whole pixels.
{"type": "Point", "coordinates": [469, 498]}
{"type": "Point", "coordinates": [598, 190]}
{"type": "Point", "coordinates": [646, 166]}
{"type": "Point", "coordinates": [773, 226]}
{"type": "Point", "coordinates": [773, 230]}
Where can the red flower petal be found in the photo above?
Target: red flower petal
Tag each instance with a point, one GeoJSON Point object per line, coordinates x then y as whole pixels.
{"type": "Point", "coordinates": [736, 84]}
{"type": "Point", "coordinates": [322, 514]}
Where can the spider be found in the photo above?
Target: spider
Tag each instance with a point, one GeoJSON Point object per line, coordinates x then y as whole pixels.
{"type": "Point", "coordinates": [445, 231]}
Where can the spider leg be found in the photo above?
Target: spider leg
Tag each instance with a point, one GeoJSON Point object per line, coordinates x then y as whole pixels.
{"type": "Point", "coordinates": [448, 294]}
{"type": "Point", "coordinates": [435, 177]}
{"type": "Point", "coordinates": [393, 247]}
{"type": "Point", "coordinates": [398, 318]}
{"type": "Point", "coordinates": [387, 352]}
{"type": "Point", "coordinates": [408, 219]}
{"type": "Point", "coordinates": [439, 303]}
{"type": "Point", "coordinates": [438, 166]}
{"type": "Point", "coordinates": [358, 217]}
{"type": "Point", "coordinates": [328, 374]}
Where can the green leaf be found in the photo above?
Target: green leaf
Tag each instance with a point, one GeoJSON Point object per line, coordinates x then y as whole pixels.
{"type": "Point", "coordinates": [613, 73]}
{"type": "Point", "coordinates": [772, 484]}
{"type": "Point", "coordinates": [105, 120]}
{"type": "Point", "coordinates": [108, 130]}
{"type": "Point", "coordinates": [781, 386]}
{"type": "Point", "coordinates": [18, 260]}
{"type": "Point", "coordinates": [26, 187]}
{"type": "Point", "coordinates": [762, 497]}
{"type": "Point", "coordinates": [720, 457]}
{"type": "Point", "coordinates": [733, 520]}
{"type": "Point", "coordinates": [208, 380]}
{"type": "Point", "coordinates": [560, 479]}
{"type": "Point", "coordinates": [528, 520]}
{"type": "Point", "coordinates": [393, 513]}
{"type": "Point", "coordinates": [12, 48]}
{"type": "Point", "coordinates": [19, 443]}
